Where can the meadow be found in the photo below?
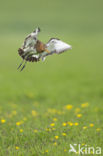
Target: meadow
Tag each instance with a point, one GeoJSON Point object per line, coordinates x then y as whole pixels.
{"type": "Point", "coordinates": [59, 102]}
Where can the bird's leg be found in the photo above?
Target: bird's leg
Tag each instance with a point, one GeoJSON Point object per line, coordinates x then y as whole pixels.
{"type": "Point", "coordinates": [47, 50]}
{"type": "Point", "coordinates": [23, 66]}
{"type": "Point", "coordinates": [20, 64]}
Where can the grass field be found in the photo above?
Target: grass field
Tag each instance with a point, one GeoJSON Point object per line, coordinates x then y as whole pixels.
{"type": "Point", "coordinates": [59, 102]}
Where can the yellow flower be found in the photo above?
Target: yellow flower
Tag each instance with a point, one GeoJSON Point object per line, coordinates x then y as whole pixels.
{"type": "Point", "coordinates": [18, 123]}
{"type": "Point", "coordinates": [84, 105]}
{"type": "Point", "coordinates": [91, 125]}
{"type": "Point", "coordinates": [35, 130]}
{"type": "Point", "coordinates": [55, 143]}
{"type": "Point", "coordinates": [98, 129]}
{"type": "Point", "coordinates": [84, 127]}
{"type": "Point", "coordinates": [52, 124]}
{"type": "Point", "coordinates": [64, 134]}
{"type": "Point", "coordinates": [17, 147]}
{"type": "Point", "coordinates": [64, 124]}
{"type": "Point", "coordinates": [53, 129]}
{"type": "Point", "coordinates": [48, 129]}
{"type": "Point", "coordinates": [83, 144]}
{"type": "Point", "coordinates": [34, 113]}
{"type": "Point", "coordinates": [24, 118]}
{"type": "Point", "coordinates": [54, 119]}
{"type": "Point", "coordinates": [70, 123]}
{"type": "Point", "coordinates": [79, 115]}
{"type": "Point", "coordinates": [21, 130]}
{"type": "Point", "coordinates": [68, 107]}
{"type": "Point", "coordinates": [3, 120]}
{"type": "Point", "coordinates": [60, 112]}
{"type": "Point", "coordinates": [46, 151]}
{"type": "Point", "coordinates": [52, 111]}
{"type": "Point", "coordinates": [76, 123]}
{"type": "Point", "coordinates": [56, 137]}
{"type": "Point", "coordinates": [65, 150]}
{"type": "Point", "coordinates": [77, 110]}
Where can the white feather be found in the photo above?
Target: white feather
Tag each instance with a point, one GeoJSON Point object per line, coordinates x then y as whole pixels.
{"type": "Point", "coordinates": [57, 46]}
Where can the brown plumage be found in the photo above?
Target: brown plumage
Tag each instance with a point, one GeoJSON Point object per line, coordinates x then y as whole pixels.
{"type": "Point", "coordinates": [40, 46]}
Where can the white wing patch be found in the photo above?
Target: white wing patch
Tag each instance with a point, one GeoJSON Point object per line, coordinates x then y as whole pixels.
{"type": "Point", "coordinates": [57, 46]}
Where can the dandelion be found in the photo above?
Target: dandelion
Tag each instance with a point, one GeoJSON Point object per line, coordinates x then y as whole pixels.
{"type": "Point", "coordinates": [70, 123]}
{"type": "Point", "coordinates": [84, 127]}
{"type": "Point", "coordinates": [24, 118]}
{"type": "Point", "coordinates": [54, 119]}
{"type": "Point", "coordinates": [48, 129]}
{"type": "Point", "coordinates": [52, 111]}
{"type": "Point", "coordinates": [34, 113]}
{"type": "Point", "coordinates": [64, 134]}
{"type": "Point", "coordinates": [83, 144]}
{"type": "Point", "coordinates": [17, 147]}
{"type": "Point", "coordinates": [21, 130]}
{"type": "Point", "coordinates": [79, 115]}
{"type": "Point", "coordinates": [46, 151]}
{"type": "Point", "coordinates": [56, 137]}
{"type": "Point", "coordinates": [98, 129]}
{"type": "Point", "coordinates": [84, 105]}
{"type": "Point", "coordinates": [60, 112]}
{"type": "Point", "coordinates": [91, 125]}
{"type": "Point", "coordinates": [53, 129]}
{"type": "Point", "coordinates": [65, 150]}
{"type": "Point", "coordinates": [3, 120]}
{"type": "Point", "coordinates": [35, 130]}
{"type": "Point", "coordinates": [64, 124]}
{"type": "Point", "coordinates": [55, 143]}
{"type": "Point", "coordinates": [77, 110]}
{"type": "Point", "coordinates": [52, 124]}
{"type": "Point", "coordinates": [68, 107]}
{"type": "Point", "coordinates": [18, 123]}
{"type": "Point", "coordinates": [76, 123]}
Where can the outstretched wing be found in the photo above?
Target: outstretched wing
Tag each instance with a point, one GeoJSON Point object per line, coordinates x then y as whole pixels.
{"type": "Point", "coordinates": [57, 46]}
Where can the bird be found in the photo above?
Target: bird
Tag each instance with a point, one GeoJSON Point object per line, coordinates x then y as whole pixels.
{"type": "Point", "coordinates": [32, 49]}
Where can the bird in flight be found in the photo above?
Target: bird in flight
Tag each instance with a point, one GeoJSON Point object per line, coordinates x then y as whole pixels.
{"type": "Point", "coordinates": [33, 49]}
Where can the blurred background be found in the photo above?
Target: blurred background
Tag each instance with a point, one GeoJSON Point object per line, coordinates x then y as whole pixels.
{"type": "Point", "coordinates": [72, 77]}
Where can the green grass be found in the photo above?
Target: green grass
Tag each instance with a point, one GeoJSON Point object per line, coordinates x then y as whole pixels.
{"type": "Point", "coordinates": [40, 93]}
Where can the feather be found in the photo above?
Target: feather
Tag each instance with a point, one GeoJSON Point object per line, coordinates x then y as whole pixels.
{"type": "Point", "coordinates": [57, 46]}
